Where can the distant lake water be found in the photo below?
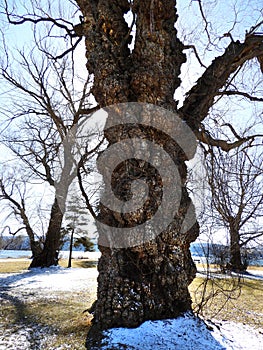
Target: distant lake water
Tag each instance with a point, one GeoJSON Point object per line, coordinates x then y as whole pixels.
{"type": "Point", "coordinates": [15, 254]}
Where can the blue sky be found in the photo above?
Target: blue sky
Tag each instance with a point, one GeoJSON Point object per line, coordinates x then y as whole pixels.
{"type": "Point", "coordinates": [220, 16]}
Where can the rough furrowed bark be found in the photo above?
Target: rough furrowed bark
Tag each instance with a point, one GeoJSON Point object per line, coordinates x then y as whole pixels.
{"type": "Point", "coordinates": [107, 38]}
{"type": "Point", "coordinates": [157, 56]}
{"type": "Point", "coordinates": [148, 281]}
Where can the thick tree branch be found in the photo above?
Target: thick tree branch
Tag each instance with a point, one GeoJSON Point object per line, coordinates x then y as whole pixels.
{"type": "Point", "coordinates": [252, 237]}
{"type": "Point", "coordinates": [201, 97]}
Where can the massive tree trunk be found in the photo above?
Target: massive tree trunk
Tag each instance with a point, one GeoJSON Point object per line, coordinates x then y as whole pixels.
{"type": "Point", "coordinates": [148, 281]}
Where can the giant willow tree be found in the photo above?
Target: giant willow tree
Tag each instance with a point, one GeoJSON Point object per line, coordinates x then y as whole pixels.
{"type": "Point", "coordinates": [142, 62]}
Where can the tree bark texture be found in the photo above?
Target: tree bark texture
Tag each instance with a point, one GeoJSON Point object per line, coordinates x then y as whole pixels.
{"type": "Point", "coordinates": [149, 281]}
{"type": "Point", "coordinates": [235, 253]}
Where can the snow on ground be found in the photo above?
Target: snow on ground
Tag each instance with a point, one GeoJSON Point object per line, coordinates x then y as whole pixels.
{"type": "Point", "coordinates": [184, 333]}
{"type": "Point", "coordinates": [51, 279]}
{"type": "Point", "coordinates": [213, 273]}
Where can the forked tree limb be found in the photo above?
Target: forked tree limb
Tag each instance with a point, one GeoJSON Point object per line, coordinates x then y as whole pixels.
{"type": "Point", "coordinates": [196, 54]}
{"type": "Point", "coordinates": [205, 137]}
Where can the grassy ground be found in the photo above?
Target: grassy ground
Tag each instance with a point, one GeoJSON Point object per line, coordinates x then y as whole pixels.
{"type": "Point", "coordinates": [233, 299]}
{"type": "Point", "coordinates": [13, 265]}
{"type": "Point", "coordinates": [16, 265]}
{"type": "Point", "coordinates": [61, 316]}
{"type": "Point", "coordinates": [62, 319]}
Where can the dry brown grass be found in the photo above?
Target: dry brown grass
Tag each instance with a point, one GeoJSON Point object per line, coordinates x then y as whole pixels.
{"type": "Point", "coordinates": [14, 265]}
{"type": "Point", "coordinates": [229, 299]}
{"type": "Point", "coordinates": [63, 317]}
{"type": "Point", "coordinates": [17, 265]}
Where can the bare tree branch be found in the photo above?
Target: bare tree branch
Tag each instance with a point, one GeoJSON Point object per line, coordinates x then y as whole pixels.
{"type": "Point", "coordinates": [201, 97]}
{"type": "Point", "coordinates": [205, 137]}
{"type": "Point", "coordinates": [81, 165]}
{"type": "Point", "coordinates": [204, 19]}
{"type": "Point", "coordinates": [72, 31]}
{"type": "Point", "coordinates": [196, 54]}
{"type": "Point", "coordinates": [240, 93]}
{"type": "Point", "coordinates": [18, 20]}
{"type": "Point", "coordinates": [71, 49]}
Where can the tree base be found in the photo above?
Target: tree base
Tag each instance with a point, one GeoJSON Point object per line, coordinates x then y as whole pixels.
{"type": "Point", "coordinates": [45, 259]}
{"type": "Point", "coordinates": [143, 283]}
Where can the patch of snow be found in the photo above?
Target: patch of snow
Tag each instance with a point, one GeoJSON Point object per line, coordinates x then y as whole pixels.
{"type": "Point", "coordinates": [80, 255]}
{"type": "Point", "coordinates": [184, 333]}
{"type": "Point", "coordinates": [213, 273]}
{"type": "Point", "coordinates": [236, 336]}
{"type": "Point", "coordinates": [52, 279]}
{"type": "Point", "coordinates": [24, 338]}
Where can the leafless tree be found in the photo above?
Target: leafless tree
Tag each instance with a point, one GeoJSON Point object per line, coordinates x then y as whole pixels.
{"type": "Point", "coordinates": [13, 195]}
{"type": "Point", "coordinates": [44, 100]}
{"type": "Point", "coordinates": [237, 195]}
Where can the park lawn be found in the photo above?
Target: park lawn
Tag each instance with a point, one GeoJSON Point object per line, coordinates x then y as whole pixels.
{"type": "Point", "coordinates": [59, 315]}
{"type": "Point", "coordinates": [63, 315]}
{"type": "Point", "coordinates": [17, 265]}
{"type": "Point", "coordinates": [13, 265]}
{"type": "Point", "coordinates": [61, 318]}
{"type": "Point", "coordinates": [231, 299]}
